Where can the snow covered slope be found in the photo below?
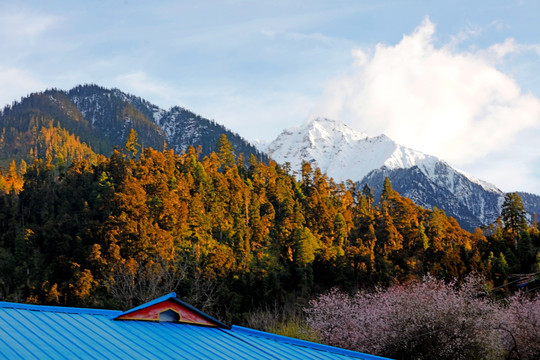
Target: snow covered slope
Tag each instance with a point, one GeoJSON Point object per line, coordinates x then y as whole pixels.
{"type": "Point", "coordinates": [344, 153]}
{"type": "Point", "coordinates": [112, 113]}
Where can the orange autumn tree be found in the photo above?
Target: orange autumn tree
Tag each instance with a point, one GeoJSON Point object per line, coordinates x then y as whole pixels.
{"type": "Point", "coordinates": [219, 230]}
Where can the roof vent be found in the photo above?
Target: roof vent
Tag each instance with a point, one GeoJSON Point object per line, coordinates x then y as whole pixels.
{"type": "Point", "coordinates": [169, 308]}
{"type": "Point", "coordinates": [169, 316]}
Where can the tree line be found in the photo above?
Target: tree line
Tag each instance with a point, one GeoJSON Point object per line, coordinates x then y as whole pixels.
{"type": "Point", "coordinates": [228, 234]}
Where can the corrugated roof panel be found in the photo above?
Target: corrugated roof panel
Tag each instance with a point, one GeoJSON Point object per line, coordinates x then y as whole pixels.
{"type": "Point", "coordinates": [20, 335]}
{"type": "Point", "coordinates": [80, 340]}
{"type": "Point", "coordinates": [217, 343]}
{"type": "Point", "coordinates": [81, 335]}
{"type": "Point", "coordinates": [287, 351]}
{"type": "Point", "coordinates": [187, 344]}
{"type": "Point", "coordinates": [58, 325]}
{"type": "Point", "coordinates": [108, 337]}
{"type": "Point", "coordinates": [232, 346]}
{"type": "Point", "coordinates": [154, 343]}
{"type": "Point", "coordinates": [305, 348]}
{"type": "Point", "coordinates": [280, 352]}
{"type": "Point", "coordinates": [12, 349]}
{"type": "Point", "coordinates": [43, 332]}
{"type": "Point", "coordinates": [184, 347]}
{"type": "Point", "coordinates": [192, 343]}
{"type": "Point", "coordinates": [56, 346]}
{"type": "Point", "coordinates": [132, 347]}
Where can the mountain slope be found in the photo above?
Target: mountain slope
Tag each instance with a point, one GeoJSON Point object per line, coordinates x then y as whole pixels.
{"type": "Point", "coordinates": [102, 118]}
{"type": "Point", "coordinates": [467, 201]}
{"type": "Point", "coordinates": [184, 128]}
{"type": "Point", "coordinates": [179, 127]}
{"type": "Point", "coordinates": [111, 114]}
{"type": "Point", "coordinates": [344, 154]}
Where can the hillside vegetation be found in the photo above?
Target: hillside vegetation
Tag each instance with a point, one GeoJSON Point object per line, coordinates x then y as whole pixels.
{"type": "Point", "coordinates": [116, 231]}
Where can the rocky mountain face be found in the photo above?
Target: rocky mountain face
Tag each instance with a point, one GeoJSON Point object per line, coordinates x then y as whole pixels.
{"type": "Point", "coordinates": [183, 128]}
{"type": "Point", "coordinates": [102, 118]}
{"type": "Point", "coordinates": [111, 114]}
{"type": "Point", "coordinates": [531, 202]}
{"type": "Point", "coordinates": [445, 188]}
{"type": "Point", "coordinates": [344, 153]}
{"type": "Point", "coordinates": [179, 127]}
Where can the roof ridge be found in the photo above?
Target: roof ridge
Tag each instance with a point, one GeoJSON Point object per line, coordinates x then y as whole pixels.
{"type": "Point", "coordinates": [58, 309]}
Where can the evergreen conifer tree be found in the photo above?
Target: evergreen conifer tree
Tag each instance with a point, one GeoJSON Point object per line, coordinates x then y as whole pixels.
{"type": "Point", "coordinates": [513, 216]}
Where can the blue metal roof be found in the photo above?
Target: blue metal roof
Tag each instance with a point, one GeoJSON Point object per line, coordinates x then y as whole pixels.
{"type": "Point", "coordinates": [49, 332]}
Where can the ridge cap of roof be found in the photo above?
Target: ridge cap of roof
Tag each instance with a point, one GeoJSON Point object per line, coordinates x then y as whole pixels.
{"type": "Point", "coordinates": [58, 309]}
{"type": "Point", "coordinates": [149, 303]}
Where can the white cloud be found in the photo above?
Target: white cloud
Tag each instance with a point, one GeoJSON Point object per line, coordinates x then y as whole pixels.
{"type": "Point", "coordinates": [261, 115]}
{"type": "Point", "coordinates": [456, 105]}
{"type": "Point", "coordinates": [20, 23]}
{"type": "Point", "coordinates": [512, 168]}
{"type": "Point", "coordinates": [510, 46]}
{"type": "Point", "coordinates": [16, 83]}
{"type": "Point", "coordinates": [154, 90]}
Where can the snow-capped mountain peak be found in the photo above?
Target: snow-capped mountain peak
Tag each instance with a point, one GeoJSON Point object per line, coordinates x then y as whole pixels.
{"type": "Point", "coordinates": [344, 153]}
{"type": "Point", "coordinates": [330, 130]}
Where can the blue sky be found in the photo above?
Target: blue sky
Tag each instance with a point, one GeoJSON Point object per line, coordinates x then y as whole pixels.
{"type": "Point", "coordinates": [456, 79]}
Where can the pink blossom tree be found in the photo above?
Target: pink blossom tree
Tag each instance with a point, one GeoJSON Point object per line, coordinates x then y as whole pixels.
{"type": "Point", "coordinates": [519, 323]}
{"type": "Point", "coordinates": [427, 320]}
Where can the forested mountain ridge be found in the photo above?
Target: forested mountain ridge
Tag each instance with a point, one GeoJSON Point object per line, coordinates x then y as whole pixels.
{"type": "Point", "coordinates": [179, 127]}
{"type": "Point", "coordinates": [22, 123]}
{"type": "Point", "coordinates": [102, 119]}
{"type": "Point", "coordinates": [228, 237]}
{"type": "Point", "coordinates": [89, 120]}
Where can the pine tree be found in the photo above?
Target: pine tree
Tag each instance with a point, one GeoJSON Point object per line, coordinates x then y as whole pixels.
{"type": "Point", "coordinates": [524, 251]}
{"type": "Point", "coordinates": [225, 151]}
{"type": "Point", "coordinates": [513, 216]}
{"type": "Point", "coordinates": [132, 146]}
{"type": "Point", "coordinates": [306, 244]}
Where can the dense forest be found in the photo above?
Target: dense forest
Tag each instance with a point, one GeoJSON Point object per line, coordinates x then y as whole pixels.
{"type": "Point", "coordinates": [228, 237]}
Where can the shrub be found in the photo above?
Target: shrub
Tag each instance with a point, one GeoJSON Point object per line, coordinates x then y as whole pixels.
{"type": "Point", "coordinates": [286, 321]}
